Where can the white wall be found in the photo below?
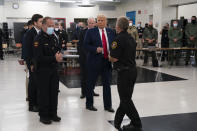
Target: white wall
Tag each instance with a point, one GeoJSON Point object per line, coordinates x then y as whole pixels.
{"type": "Point", "coordinates": [27, 9]}
{"type": "Point", "coordinates": [1, 14]}
{"type": "Point", "coordinates": [135, 5]}
{"type": "Point", "coordinates": [160, 10]}
{"type": "Point", "coordinates": [168, 13]}
{"type": "Point", "coordinates": [180, 2]}
{"type": "Point", "coordinates": [187, 11]}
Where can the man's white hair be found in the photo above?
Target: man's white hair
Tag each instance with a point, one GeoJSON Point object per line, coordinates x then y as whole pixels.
{"type": "Point", "coordinates": [90, 18]}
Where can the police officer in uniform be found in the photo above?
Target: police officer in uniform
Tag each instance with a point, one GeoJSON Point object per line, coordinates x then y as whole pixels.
{"type": "Point", "coordinates": [150, 37]}
{"type": "Point", "coordinates": [123, 55]}
{"type": "Point", "coordinates": [175, 36]}
{"type": "Point", "coordinates": [191, 33]}
{"type": "Point", "coordinates": [46, 57]}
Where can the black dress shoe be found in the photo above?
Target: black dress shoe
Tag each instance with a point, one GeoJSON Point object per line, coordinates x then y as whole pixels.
{"type": "Point", "coordinates": [95, 94]}
{"type": "Point", "coordinates": [82, 96]}
{"type": "Point", "coordinates": [56, 118]}
{"type": "Point", "coordinates": [2, 58]}
{"type": "Point", "coordinates": [92, 108]}
{"type": "Point", "coordinates": [145, 64]}
{"type": "Point", "coordinates": [110, 110]}
{"type": "Point", "coordinates": [130, 127]}
{"type": "Point", "coordinates": [33, 109]}
{"type": "Point", "coordinates": [45, 121]}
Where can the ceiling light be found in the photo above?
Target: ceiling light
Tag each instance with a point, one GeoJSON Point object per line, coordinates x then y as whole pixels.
{"type": "Point", "coordinates": [86, 3]}
{"type": "Point", "coordinates": [65, 1]}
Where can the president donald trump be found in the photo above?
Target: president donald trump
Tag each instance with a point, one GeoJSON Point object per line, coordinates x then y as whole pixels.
{"type": "Point", "coordinates": [97, 43]}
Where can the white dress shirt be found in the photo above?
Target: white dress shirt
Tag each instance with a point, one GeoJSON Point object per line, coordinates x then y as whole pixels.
{"type": "Point", "coordinates": [37, 30]}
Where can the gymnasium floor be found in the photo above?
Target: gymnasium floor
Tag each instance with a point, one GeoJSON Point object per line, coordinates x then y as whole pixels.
{"type": "Point", "coordinates": [164, 106]}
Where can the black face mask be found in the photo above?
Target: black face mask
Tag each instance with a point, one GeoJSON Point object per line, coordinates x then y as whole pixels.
{"type": "Point", "coordinates": [193, 21]}
{"type": "Point", "coordinates": [151, 26]}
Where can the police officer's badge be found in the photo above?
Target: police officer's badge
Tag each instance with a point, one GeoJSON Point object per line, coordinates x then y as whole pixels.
{"type": "Point", "coordinates": [35, 44]}
{"type": "Point", "coordinates": [114, 45]}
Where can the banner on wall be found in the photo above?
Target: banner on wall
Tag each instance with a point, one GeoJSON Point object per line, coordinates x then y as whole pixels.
{"type": "Point", "coordinates": [131, 15]}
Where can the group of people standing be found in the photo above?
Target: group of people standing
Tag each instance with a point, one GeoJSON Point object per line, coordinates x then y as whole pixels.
{"type": "Point", "coordinates": [146, 37]}
{"type": "Point", "coordinates": [41, 50]}
{"type": "Point", "coordinates": [172, 37]}
{"type": "Point", "coordinates": [99, 47]}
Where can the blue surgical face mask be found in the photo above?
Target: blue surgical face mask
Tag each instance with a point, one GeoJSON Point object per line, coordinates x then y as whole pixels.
{"type": "Point", "coordinates": [175, 25]}
{"type": "Point", "coordinates": [138, 25]}
{"type": "Point", "coordinates": [50, 30]}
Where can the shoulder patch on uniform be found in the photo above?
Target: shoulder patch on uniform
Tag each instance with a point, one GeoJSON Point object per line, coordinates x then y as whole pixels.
{"type": "Point", "coordinates": [114, 45]}
{"type": "Point", "coordinates": [36, 44]}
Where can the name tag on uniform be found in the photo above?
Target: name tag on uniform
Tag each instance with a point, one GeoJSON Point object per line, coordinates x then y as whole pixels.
{"type": "Point", "coordinates": [36, 44]}
{"type": "Point", "coordinates": [46, 44]}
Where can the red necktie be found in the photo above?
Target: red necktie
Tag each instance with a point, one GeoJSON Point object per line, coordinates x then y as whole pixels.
{"type": "Point", "coordinates": [104, 41]}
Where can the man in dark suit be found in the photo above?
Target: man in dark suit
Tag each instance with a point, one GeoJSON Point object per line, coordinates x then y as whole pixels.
{"type": "Point", "coordinates": [23, 33]}
{"type": "Point", "coordinates": [97, 43]}
{"type": "Point", "coordinates": [83, 58]}
{"type": "Point", "coordinates": [1, 41]}
{"type": "Point", "coordinates": [29, 41]}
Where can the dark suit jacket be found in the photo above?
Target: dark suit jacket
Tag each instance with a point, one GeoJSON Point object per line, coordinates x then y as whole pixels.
{"type": "Point", "coordinates": [28, 44]}
{"type": "Point", "coordinates": [82, 51]}
{"type": "Point", "coordinates": [1, 39]}
{"type": "Point", "coordinates": [92, 41]}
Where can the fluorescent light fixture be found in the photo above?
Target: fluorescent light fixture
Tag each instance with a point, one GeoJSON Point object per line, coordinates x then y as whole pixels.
{"type": "Point", "coordinates": [36, 2]}
{"type": "Point", "coordinates": [105, 0]}
{"type": "Point", "coordinates": [86, 3]}
{"type": "Point", "coordinates": [65, 1]}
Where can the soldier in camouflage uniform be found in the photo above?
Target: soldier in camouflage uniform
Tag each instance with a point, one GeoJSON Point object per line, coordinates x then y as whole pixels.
{"type": "Point", "coordinates": [191, 33]}
{"type": "Point", "coordinates": [150, 36]}
{"type": "Point", "coordinates": [132, 30]}
{"type": "Point", "coordinates": [175, 36]}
